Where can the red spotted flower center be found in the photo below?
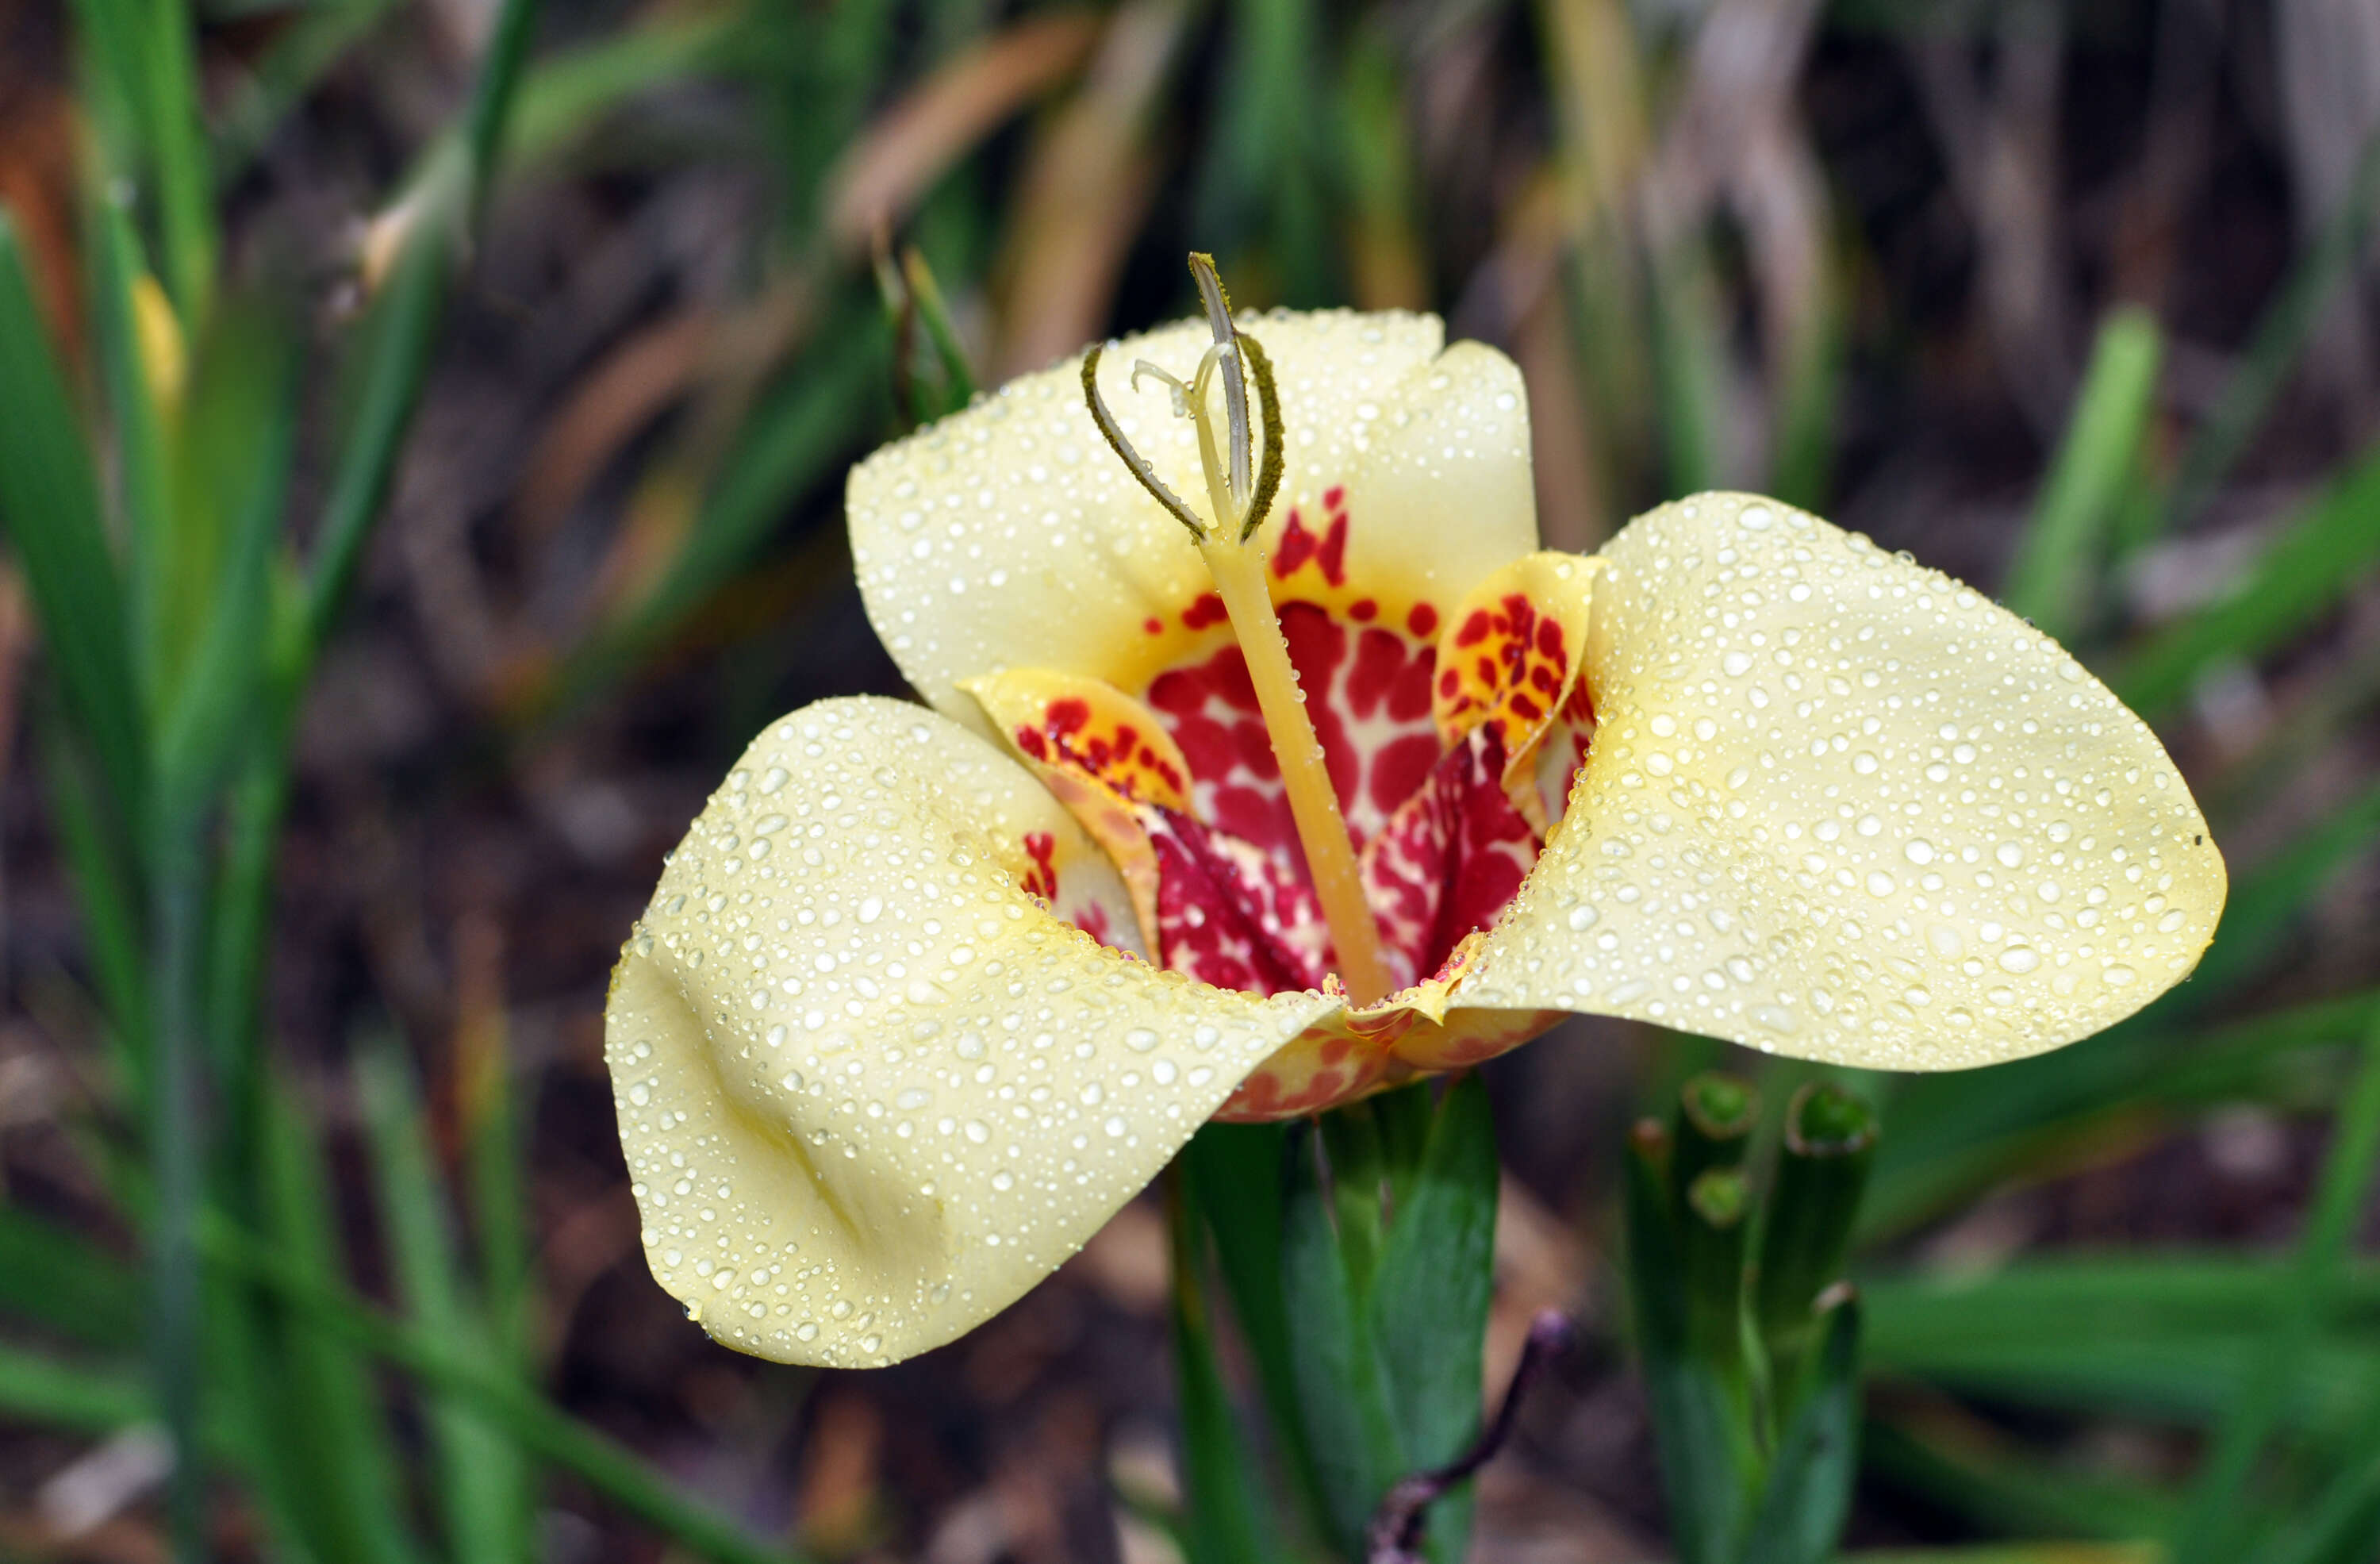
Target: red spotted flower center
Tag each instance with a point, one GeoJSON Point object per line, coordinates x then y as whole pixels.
{"type": "Point", "coordinates": [1449, 739]}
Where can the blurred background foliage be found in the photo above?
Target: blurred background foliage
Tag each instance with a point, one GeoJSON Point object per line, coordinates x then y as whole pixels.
{"type": "Point", "coordinates": [421, 434]}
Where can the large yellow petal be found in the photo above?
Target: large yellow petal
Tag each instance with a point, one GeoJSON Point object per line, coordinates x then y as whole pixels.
{"type": "Point", "coordinates": [1842, 807]}
{"type": "Point", "coordinates": [871, 1091]}
{"type": "Point", "coordinates": [1008, 535]}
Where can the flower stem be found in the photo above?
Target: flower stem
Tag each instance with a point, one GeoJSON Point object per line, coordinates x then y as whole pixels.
{"type": "Point", "coordinates": [1239, 575]}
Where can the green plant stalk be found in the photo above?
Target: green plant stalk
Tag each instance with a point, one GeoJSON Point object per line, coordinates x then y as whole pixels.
{"type": "Point", "coordinates": [326, 1454]}
{"type": "Point", "coordinates": [179, 1157]}
{"type": "Point", "coordinates": [2301, 1308]}
{"type": "Point", "coordinates": [2323, 552]}
{"type": "Point", "coordinates": [483, 1484]}
{"type": "Point", "coordinates": [491, 99]}
{"type": "Point", "coordinates": [1239, 1178]}
{"type": "Point", "coordinates": [1956, 1135]}
{"type": "Point", "coordinates": [1807, 1492]}
{"type": "Point", "coordinates": [1716, 1117]}
{"type": "Point", "coordinates": [50, 504]}
{"type": "Point", "coordinates": [2008, 1492]}
{"type": "Point", "coordinates": [1344, 1411]}
{"type": "Point", "coordinates": [1700, 1428]}
{"type": "Point", "coordinates": [1351, 1140]}
{"type": "Point", "coordinates": [493, 1154]}
{"type": "Point", "coordinates": [1822, 1171]}
{"type": "Point", "coordinates": [36, 1388]}
{"type": "Point", "coordinates": [103, 893]}
{"type": "Point", "coordinates": [1690, 369]}
{"type": "Point", "coordinates": [527, 1416]}
{"type": "Point", "coordinates": [2341, 1525]}
{"type": "Point", "coordinates": [2059, 556]}
{"type": "Point", "coordinates": [1713, 1216]}
{"type": "Point", "coordinates": [934, 314]}
{"type": "Point", "coordinates": [178, 150]}
{"type": "Point", "coordinates": [1427, 1311]}
{"type": "Point", "coordinates": [137, 426]}
{"type": "Point", "coordinates": [1225, 1517]}
{"type": "Point", "coordinates": [1808, 397]}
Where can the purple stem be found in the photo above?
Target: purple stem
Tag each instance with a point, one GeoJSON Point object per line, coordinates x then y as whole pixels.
{"type": "Point", "coordinates": [1394, 1537]}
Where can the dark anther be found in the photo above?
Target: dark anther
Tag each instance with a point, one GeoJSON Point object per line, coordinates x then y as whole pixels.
{"type": "Point", "coordinates": [1394, 1537]}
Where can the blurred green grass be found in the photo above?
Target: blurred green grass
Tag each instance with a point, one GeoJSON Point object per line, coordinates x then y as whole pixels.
{"type": "Point", "coordinates": [1688, 296]}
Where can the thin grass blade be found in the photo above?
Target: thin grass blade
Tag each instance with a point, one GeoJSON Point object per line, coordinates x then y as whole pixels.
{"type": "Point", "coordinates": [2059, 556]}
{"type": "Point", "coordinates": [49, 505]}
{"type": "Point", "coordinates": [2319, 556]}
{"type": "Point", "coordinates": [482, 1485]}
{"type": "Point", "coordinates": [2301, 1309]}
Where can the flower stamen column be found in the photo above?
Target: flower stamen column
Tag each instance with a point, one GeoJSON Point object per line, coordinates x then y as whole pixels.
{"type": "Point", "coordinates": [1240, 497]}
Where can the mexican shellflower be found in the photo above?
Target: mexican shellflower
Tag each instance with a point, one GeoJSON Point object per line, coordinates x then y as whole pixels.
{"type": "Point", "coordinates": [928, 991]}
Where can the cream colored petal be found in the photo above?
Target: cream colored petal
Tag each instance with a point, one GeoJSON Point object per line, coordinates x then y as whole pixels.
{"type": "Point", "coordinates": [1008, 535]}
{"type": "Point", "coordinates": [1842, 807]}
{"type": "Point", "coordinates": [869, 1090]}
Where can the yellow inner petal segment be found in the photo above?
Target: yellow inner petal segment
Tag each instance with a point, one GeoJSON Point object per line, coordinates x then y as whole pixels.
{"type": "Point", "coordinates": [1511, 653]}
{"type": "Point", "coordinates": [1101, 753]}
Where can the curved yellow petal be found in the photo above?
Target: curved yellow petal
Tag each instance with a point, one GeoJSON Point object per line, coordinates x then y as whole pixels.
{"type": "Point", "coordinates": [1009, 535]}
{"type": "Point", "coordinates": [1842, 807]}
{"type": "Point", "coordinates": [870, 1089]}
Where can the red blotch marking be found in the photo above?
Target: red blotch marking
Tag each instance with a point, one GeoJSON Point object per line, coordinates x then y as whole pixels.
{"type": "Point", "coordinates": [1409, 696]}
{"type": "Point", "coordinates": [1296, 547]}
{"type": "Point", "coordinates": [1422, 620]}
{"type": "Point", "coordinates": [1380, 657]}
{"type": "Point", "coordinates": [1549, 642]}
{"type": "Point", "coordinates": [1260, 1094]}
{"type": "Point", "coordinates": [1449, 682]}
{"type": "Point", "coordinates": [1334, 496]}
{"type": "Point", "coordinates": [1153, 626]}
{"type": "Point", "coordinates": [1208, 610]}
{"type": "Point", "coordinates": [1401, 768]}
{"type": "Point", "coordinates": [1318, 643]}
{"type": "Point", "coordinates": [1475, 628]}
{"type": "Point", "coordinates": [1363, 610]}
{"type": "Point", "coordinates": [1064, 718]}
{"type": "Point", "coordinates": [1029, 741]}
{"type": "Point", "coordinates": [1299, 545]}
{"type": "Point", "coordinates": [1042, 880]}
{"type": "Point", "coordinates": [1332, 556]}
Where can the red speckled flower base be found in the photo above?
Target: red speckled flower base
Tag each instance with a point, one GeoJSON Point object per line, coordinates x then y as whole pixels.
{"type": "Point", "coordinates": [1450, 739]}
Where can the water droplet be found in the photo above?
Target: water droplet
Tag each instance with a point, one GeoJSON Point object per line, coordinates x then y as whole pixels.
{"type": "Point", "coordinates": [2020, 958]}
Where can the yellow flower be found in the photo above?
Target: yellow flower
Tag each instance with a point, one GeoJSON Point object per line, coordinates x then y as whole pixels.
{"type": "Point", "coordinates": [898, 1032]}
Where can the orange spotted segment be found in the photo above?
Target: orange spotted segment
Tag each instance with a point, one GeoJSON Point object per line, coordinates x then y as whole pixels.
{"type": "Point", "coordinates": [1103, 754]}
{"type": "Point", "coordinates": [1508, 660]}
